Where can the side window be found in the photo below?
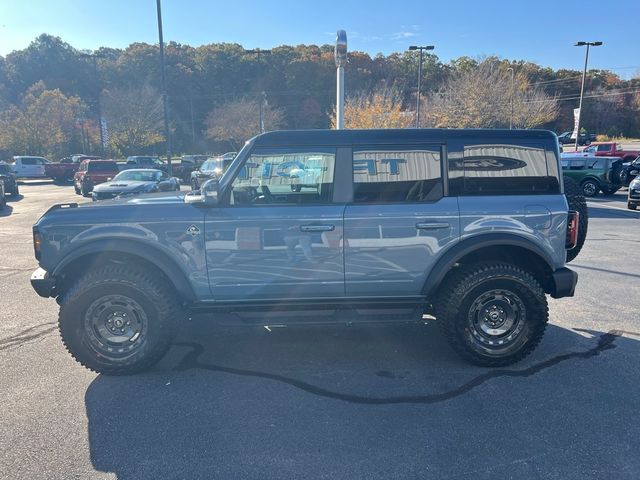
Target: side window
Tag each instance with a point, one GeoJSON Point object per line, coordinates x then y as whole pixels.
{"type": "Point", "coordinates": [604, 148]}
{"type": "Point", "coordinates": [383, 175]}
{"type": "Point", "coordinates": [500, 169]}
{"type": "Point", "coordinates": [28, 161]}
{"type": "Point", "coordinates": [285, 177]}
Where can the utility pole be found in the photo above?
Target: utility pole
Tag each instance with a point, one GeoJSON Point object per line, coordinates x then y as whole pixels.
{"type": "Point", "coordinates": [421, 49]}
{"type": "Point", "coordinates": [165, 101]}
{"type": "Point", "coordinates": [512, 93]}
{"type": "Point", "coordinates": [340, 56]}
{"type": "Point", "coordinates": [262, 95]}
{"type": "Point", "coordinates": [584, 75]}
{"type": "Point", "coordinates": [98, 90]}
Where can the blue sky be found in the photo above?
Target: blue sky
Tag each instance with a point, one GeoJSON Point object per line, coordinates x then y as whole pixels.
{"type": "Point", "coordinates": [542, 31]}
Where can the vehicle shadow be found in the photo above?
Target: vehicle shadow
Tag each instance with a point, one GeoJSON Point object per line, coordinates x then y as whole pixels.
{"type": "Point", "coordinates": [6, 211]}
{"type": "Point", "coordinates": [603, 212]}
{"type": "Point", "coordinates": [339, 402]}
{"type": "Point", "coordinates": [15, 198]}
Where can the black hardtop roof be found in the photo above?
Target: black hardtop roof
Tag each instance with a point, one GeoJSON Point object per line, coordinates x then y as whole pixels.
{"type": "Point", "coordinates": [382, 136]}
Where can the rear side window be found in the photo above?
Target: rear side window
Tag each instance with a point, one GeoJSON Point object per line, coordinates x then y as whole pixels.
{"type": "Point", "coordinates": [384, 175]}
{"type": "Point", "coordinates": [604, 148]}
{"type": "Point", "coordinates": [28, 161]}
{"type": "Point", "coordinates": [500, 169]}
{"type": "Point", "coordinates": [102, 167]}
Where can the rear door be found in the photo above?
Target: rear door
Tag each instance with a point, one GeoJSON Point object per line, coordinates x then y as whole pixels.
{"type": "Point", "coordinates": [26, 167]}
{"type": "Point", "coordinates": [399, 220]}
{"type": "Point", "coordinates": [267, 240]}
{"type": "Point", "coordinates": [39, 167]}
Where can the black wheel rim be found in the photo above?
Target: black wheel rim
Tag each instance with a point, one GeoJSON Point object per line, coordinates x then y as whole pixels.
{"type": "Point", "coordinates": [496, 319]}
{"type": "Point", "coordinates": [116, 326]}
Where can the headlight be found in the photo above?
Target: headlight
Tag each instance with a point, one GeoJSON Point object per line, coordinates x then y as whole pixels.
{"type": "Point", "coordinates": [635, 184]}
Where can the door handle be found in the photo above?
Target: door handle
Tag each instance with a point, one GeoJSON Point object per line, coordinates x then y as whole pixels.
{"type": "Point", "coordinates": [432, 225]}
{"type": "Point", "coordinates": [317, 228]}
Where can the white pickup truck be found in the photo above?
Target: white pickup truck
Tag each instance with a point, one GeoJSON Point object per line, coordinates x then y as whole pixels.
{"type": "Point", "coordinates": [29, 167]}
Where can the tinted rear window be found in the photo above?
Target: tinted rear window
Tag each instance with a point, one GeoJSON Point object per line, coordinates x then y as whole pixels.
{"type": "Point", "coordinates": [102, 167]}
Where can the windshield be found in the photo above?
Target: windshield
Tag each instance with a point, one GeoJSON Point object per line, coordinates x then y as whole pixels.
{"type": "Point", "coordinates": [5, 168]}
{"type": "Point", "coordinates": [138, 176]}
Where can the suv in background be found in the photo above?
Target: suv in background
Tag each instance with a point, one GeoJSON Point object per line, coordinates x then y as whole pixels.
{"type": "Point", "coordinates": [212, 168]}
{"type": "Point", "coordinates": [594, 174]}
{"type": "Point", "coordinates": [93, 172]}
{"type": "Point", "coordinates": [584, 139]}
{"type": "Point", "coordinates": [470, 226]}
{"type": "Point", "coordinates": [9, 179]}
{"type": "Point", "coordinates": [29, 167]}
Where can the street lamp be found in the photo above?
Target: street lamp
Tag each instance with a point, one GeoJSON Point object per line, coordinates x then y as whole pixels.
{"type": "Point", "coordinates": [165, 102]}
{"type": "Point", "coordinates": [101, 124]}
{"type": "Point", "coordinates": [422, 49]}
{"type": "Point", "coordinates": [263, 95]}
{"type": "Point", "coordinates": [511, 96]}
{"type": "Point", "coordinates": [584, 74]}
{"type": "Point", "coordinates": [340, 56]}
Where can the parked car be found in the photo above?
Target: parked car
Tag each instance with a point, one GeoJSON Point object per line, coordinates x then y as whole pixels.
{"type": "Point", "coordinates": [633, 197]}
{"type": "Point", "coordinates": [3, 200]}
{"type": "Point", "coordinates": [212, 168]}
{"type": "Point", "coordinates": [29, 167]}
{"type": "Point", "coordinates": [92, 173]}
{"type": "Point", "coordinates": [388, 235]}
{"type": "Point", "coordinates": [66, 168]}
{"type": "Point", "coordinates": [630, 171]}
{"type": "Point", "coordinates": [610, 149]}
{"type": "Point", "coordinates": [585, 138]}
{"type": "Point", "coordinates": [594, 174]}
{"type": "Point", "coordinates": [188, 164]}
{"type": "Point", "coordinates": [134, 182]}
{"type": "Point", "coordinates": [9, 180]}
{"type": "Point", "coordinates": [143, 161]}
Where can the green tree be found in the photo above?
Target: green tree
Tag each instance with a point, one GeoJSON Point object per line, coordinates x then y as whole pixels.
{"type": "Point", "coordinates": [43, 123]}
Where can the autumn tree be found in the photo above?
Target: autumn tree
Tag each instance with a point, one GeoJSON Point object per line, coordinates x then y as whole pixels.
{"type": "Point", "coordinates": [43, 123]}
{"type": "Point", "coordinates": [381, 108]}
{"type": "Point", "coordinates": [482, 95]}
{"type": "Point", "coordinates": [237, 121]}
{"type": "Point", "coordinates": [134, 119]}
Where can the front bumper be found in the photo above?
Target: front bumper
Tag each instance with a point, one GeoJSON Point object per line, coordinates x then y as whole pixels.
{"type": "Point", "coordinates": [43, 283]}
{"type": "Point", "coordinates": [564, 283]}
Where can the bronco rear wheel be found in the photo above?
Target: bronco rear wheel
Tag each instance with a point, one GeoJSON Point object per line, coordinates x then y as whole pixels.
{"type": "Point", "coordinates": [492, 314]}
{"type": "Point", "coordinates": [577, 202]}
{"type": "Point", "coordinates": [118, 319]}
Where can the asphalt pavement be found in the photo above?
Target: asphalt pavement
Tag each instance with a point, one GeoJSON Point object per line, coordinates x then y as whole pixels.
{"type": "Point", "coordinates": [329, 402]}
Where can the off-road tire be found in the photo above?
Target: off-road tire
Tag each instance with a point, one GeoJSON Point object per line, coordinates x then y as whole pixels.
{"type": "Point", "coordinates": [577, 202]}
{"type": "Point", "coordinates": [160, 307]}
{"type": "Point", "coordinates": [16, 191]}
{"type": "Point", "coordinates": [465, 286]}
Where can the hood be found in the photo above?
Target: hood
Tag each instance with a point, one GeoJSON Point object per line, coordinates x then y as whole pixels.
{"type": "Point", "coordinates": [122, 186]}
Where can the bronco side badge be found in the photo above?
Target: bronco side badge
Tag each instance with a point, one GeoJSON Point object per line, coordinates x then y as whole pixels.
{"type": "Point", "coordinates": [193, 230]}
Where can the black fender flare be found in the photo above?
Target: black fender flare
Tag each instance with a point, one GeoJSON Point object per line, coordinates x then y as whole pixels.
{"type": "Point", "coordinates": [155, 256]}
{"type": "Point", "coordinates": [446, 262]}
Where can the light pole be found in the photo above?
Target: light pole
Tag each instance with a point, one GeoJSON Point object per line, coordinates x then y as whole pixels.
{"type": "Point", "coordinates": [95, 57]}
{"type": "Point", "coordinates": [421, 49]}
{"type": "Point", "coordinates": [262, 95]}
{"type": "Point", "coordinates": [511, 96]}
{"type": "Point", "coordinates": [165, 102]}
{"type": "Point", "coordinates": [340, 56]}
{"type": "Point", "coordinates": [584, 75]}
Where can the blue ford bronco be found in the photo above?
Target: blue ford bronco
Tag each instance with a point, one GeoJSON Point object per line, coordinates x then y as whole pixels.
{"type": "Point", "coordinates": [472, 227]}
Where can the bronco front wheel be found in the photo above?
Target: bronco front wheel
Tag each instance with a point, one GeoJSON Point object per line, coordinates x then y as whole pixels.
{"type": "Point", "coordinates": [118, 319]}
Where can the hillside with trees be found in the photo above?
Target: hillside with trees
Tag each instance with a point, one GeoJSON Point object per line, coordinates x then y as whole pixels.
{"type": "Point", "coordinates": [50, 93]}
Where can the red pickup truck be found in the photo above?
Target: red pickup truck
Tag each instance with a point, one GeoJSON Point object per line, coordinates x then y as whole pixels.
{"type": "Point", "coordinates": [65, 169]}
{"type": "Point", "coordinates": [93, 172]}
{"type": "Point", "coordinates": [611, 149]}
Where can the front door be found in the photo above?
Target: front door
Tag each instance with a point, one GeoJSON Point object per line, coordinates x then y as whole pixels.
{"type": "Point", "coordinates": [277, 233]}
{"type": "Point", "coordinates": [399, 220]}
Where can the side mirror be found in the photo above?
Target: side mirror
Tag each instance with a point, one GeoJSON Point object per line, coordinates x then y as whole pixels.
{"type": "Point", "coordinates": [207, 195]}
